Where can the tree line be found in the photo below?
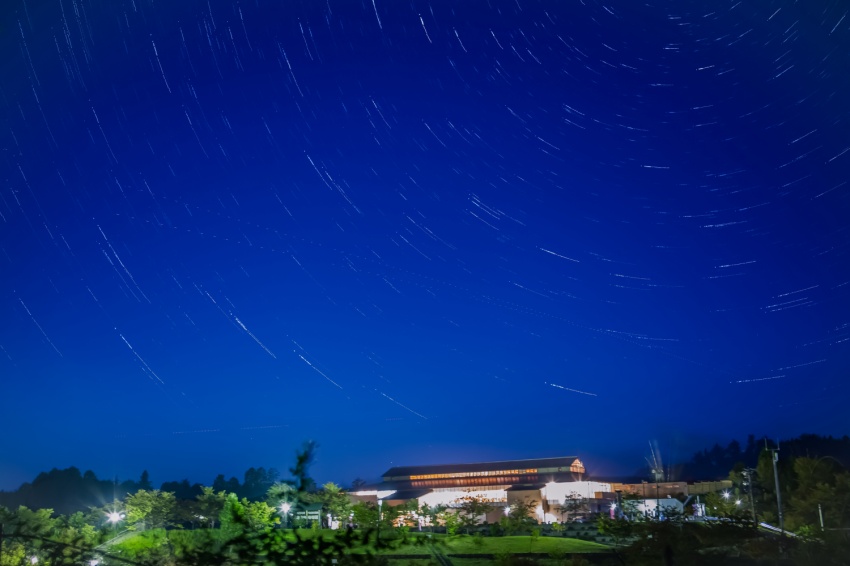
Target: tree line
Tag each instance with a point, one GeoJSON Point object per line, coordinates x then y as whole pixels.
{"type": "Point", "coordinates": [714, 463]}
{"type": "Point", "coordinates": [813, 477]}
{"type": "Point", "coordinates": [68, 491]}
{"type": "Point", "coordinates": [215, 527]}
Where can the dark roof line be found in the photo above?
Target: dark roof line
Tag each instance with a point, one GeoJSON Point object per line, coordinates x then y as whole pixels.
{"type": "Point", "coordinates": [558, 462]}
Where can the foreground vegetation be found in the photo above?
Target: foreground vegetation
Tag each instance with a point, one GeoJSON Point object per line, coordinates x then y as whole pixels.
{"type": "Point", "coordinates": [265, 523]}
{"type": "Point", "coordinates": [57, 542]}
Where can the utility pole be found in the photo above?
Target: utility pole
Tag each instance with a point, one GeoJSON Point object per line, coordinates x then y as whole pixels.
{"type": "Point", "coordinates": [778, 494]}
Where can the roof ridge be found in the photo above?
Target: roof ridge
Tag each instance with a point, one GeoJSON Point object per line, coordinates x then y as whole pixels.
{"type": "Point", "coordinates": [487, 463]}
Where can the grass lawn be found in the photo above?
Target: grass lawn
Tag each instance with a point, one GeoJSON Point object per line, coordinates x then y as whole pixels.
{"type": "Point", "coordinates": [141, 544]}
{"type": "Point", "coordinates": [503, 545]}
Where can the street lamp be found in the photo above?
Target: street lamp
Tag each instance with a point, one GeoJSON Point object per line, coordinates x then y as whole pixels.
{"type": "Point", "coordinates": [113, 519]}
{"type": "Point", "coordinates": [284, 508]}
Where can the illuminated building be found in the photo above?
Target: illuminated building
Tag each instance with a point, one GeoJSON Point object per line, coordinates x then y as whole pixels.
{"type": "Point", "coordinates": [545, 481]}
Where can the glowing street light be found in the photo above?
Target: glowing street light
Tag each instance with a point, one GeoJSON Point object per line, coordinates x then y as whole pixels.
{"type": "Point", "coordinates": [114, 517]}
{"type": "Point", "coordinates": [726, 495]}
{"type": "Point", "coordinates": [284, 508]}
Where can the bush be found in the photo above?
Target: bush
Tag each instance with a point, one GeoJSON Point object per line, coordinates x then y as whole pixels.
{"type": "Point", "coordinates": [452, 524]}
{"type": "Point", "coordinates": [557, 528]}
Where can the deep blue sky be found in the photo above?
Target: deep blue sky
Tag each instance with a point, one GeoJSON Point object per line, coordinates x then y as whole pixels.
{"type": "Point", "coordinates": [418, 232]}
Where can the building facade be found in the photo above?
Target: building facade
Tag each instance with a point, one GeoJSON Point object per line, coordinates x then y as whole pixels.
{"type": "Point", "coordinates": [545, 483]}
{"type": "Point", "coordinates": [555, 488]}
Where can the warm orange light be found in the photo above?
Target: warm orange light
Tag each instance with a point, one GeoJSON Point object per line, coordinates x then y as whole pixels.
{"type": "Point", "coordinates": [472, 474]}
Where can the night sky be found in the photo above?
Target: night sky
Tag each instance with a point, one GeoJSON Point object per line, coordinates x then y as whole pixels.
{"type": "Point", "coordinates": [418, 232]}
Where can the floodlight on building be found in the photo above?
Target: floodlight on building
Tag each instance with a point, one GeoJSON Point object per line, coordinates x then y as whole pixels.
{"type": "Point", "coordinates": [379, 493]}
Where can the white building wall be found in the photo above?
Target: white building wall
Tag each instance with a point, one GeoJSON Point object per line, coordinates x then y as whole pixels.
{"type": "Point", "coordinates": [557, 492]}
{"type": "Point", "coordinates": [454, 497]}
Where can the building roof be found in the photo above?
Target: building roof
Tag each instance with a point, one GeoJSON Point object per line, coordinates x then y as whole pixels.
{"type": "Point", "coordinates": [533, 466]}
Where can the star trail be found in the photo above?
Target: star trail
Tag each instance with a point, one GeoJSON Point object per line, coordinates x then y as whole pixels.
{"type": "Point", "coordinates": [418, 232]}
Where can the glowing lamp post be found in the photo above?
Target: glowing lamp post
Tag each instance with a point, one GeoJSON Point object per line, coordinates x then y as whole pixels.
{"type": "Point", "coordinates": [114, 518]}
{"type": "Point", "coordinates": [284, 508]}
